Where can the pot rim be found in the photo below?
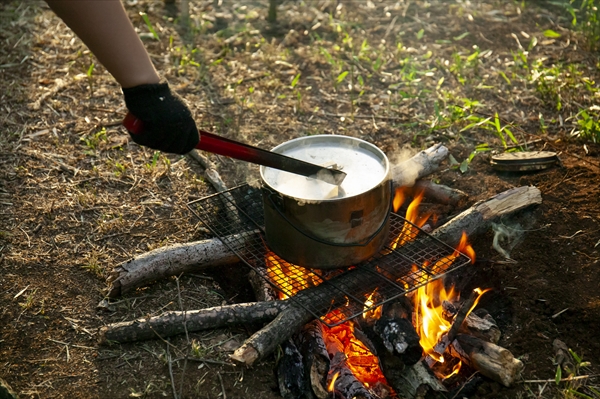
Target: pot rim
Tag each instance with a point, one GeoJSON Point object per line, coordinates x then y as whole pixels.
{"type": "Point", "coordinates": [372, 147]}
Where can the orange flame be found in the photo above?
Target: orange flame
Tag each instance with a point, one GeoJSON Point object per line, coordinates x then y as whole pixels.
{"type": "Point", "coordinates": [288, 277]}
{"type": "Point", "coordinates": [374, 313]}
{"type": "Point", "coordinates": [455, 370]}
{"type": "Point", "coordinates": [429, 321]}
{"type": "Point", "coordinates": [413, 219]}
{"type": "Point", "coordinates": [331, 385]}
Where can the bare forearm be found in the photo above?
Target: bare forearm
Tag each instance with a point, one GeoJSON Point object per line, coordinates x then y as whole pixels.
{"type": "Point", "coordinates": [106, 30]}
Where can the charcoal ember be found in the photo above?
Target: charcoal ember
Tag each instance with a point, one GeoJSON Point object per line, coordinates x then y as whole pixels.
{"type": "Point", "coordinates": [400, 338]}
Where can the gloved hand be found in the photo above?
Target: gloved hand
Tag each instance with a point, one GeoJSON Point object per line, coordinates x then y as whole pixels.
{"type": "Point", "coordinates": [168, 123]}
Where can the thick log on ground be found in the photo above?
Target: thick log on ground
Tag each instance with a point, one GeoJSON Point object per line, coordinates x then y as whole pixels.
{"type": "Point", "coordinates": [168, 261]}
{"type": "Point", "coordinates": [290, 373]}
{"type": "Point", "coordinates": [176, 322]}
{"type": "Point", "coordinates": [315, 357]}
{"type": "Point", "coordinates": [420, 165]}
{"type": "Point", "coordinates": [480, 216]}
{"type": "Point", "coordinates": [489, 359]}
{"type": "Point", "coordinates": [475, 220]}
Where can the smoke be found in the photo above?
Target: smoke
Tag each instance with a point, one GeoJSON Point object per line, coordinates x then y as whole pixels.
{"type": "Point", "coordinates": [506, 238]}
{"type": "Point", "coordinates": [405, 171]}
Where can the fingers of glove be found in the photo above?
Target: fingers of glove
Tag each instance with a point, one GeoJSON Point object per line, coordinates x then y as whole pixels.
{"type": "Point", "coordinates": [168, 122]}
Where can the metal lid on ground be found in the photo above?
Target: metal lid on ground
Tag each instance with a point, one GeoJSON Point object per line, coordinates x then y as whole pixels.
{"type": "Point", "coordinates": [524, 161]}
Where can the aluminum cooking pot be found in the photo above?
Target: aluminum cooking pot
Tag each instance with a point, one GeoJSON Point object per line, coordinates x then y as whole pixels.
{"type": "Point", "coordinates": [318, 225]}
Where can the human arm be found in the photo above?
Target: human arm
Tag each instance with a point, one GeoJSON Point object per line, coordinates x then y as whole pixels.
{"type": "Point", "coordinates": [104, 27]}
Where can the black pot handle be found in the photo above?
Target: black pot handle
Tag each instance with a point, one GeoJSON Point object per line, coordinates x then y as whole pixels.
{"type": "Point", "coordinates": [335, 244]}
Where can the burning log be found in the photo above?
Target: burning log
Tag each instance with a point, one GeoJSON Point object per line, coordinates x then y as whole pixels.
{"type": "Point", "coordinates": [316, 359]}
{"type": "Point", "coordinates": [346, 385]}
{"type": "Point", "coordinates": [176, 322]}
{"type": "Point", "coordinates": [489, 359]}
{"type": "Point", "coordinates": [168, 261]}
{"type": "Point", "coordinates": [475, 220]}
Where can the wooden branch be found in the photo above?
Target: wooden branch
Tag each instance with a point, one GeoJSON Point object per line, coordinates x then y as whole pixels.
{"type": "Point", "coordinates": [489, 359]}
{"type": "Point", "coordinates": [440, 194]}
{"type": "Point", "coordinates": [168, 261]}
{"type": "Point", "coordinates": [176, 322]}
{"type": "Point", "coordinates": [266, 340]}
{"type": "Point", "coordinates": [479, 217]}
{"type": "Point", "coordinates": [289, 321]}
{"type": "Point", "coordinates": [422, 164]}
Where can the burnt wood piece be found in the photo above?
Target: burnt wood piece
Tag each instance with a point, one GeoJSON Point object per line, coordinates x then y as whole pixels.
{"type": "Point", "coordinates": [489, 359]}
{"type": "Point", "coordinates": [176, 322]}
{"type": "Point", "coordinates": [400, 339]}
{"type": "Point", "coordinates": [346, 385]}
{"type": "Point", "coordinates": [475, 220]}
{"type": "Point", "coordinates": [418, 381]}
{"type": "Point", "coordinates": [168, 261]}
{"type": "Point", "coordinates": [316, 359]}
{"type": "Point", "coordinates": [484, 328]}
{"type": "Point", "coordinates": [440, 194]}
{"type": "Point", "coordinates": [420, 165]}
{"type": "Point", "coordinates": [290, 373]}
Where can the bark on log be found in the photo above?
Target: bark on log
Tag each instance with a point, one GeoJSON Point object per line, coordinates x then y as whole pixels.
{"type": "Point", "coordinates": [288, 322]}
{"type": "Point", "coordinates": [480, 216]}
{"type": "Point", "coordinates": [484, 328]}
{"type": "Point", "coordinates": [316, 359]}
{"type": "Point", "coordinates": [168, 261]}
{"type": "Point", "coordinates": [440, 194]}
{"type": "Point", "coordinates": [422, 164]}
{"type": "Point", "coordinates": [176, 322]}
{"type": "Point", "coordinates": [489, 359]}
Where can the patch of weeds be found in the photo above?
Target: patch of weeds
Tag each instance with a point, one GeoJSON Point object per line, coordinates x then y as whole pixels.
{"type": "Point", "coordinates": [574, 384]}
{"type": "Point", "coordinates": [198, 350]}
{"type": "Point", "coordinates": [29, 301]}
{"type": "Point", "coordinates": [588, 124]}
{"type": "Point", "coordinates": [464, 165]}
{"type": "Point", "coordinates": [93, 265]}
{"type": "Point", "coordinates": [93, 141]}
{"type": "Point", "coordinates": [491, 124]}
{"type": "Point", "coordinates": [585, 17]}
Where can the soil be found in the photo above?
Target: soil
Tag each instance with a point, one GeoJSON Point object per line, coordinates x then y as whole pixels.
{"type": "Point", "coordinates": [78, 197]}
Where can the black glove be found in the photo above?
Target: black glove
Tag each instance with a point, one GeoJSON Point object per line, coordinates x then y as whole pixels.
{"type": "Point", "coordinates": [168, 125]}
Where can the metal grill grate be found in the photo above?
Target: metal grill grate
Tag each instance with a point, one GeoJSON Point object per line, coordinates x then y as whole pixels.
{"type": "Point", "coordinates": [333, 296]}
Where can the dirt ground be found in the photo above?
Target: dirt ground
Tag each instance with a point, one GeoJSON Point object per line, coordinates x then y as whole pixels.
{"type": "Point", "coordinates": [78, 197]}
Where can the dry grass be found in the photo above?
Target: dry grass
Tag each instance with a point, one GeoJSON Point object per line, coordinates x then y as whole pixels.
{"type": "Point", "coordinates": [79, 198]}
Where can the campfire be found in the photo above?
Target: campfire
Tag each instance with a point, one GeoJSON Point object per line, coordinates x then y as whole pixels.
{"type": "Point", "coordinates": [429, 314]}
{"type": "Point", "coordinates": [391, 326]}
